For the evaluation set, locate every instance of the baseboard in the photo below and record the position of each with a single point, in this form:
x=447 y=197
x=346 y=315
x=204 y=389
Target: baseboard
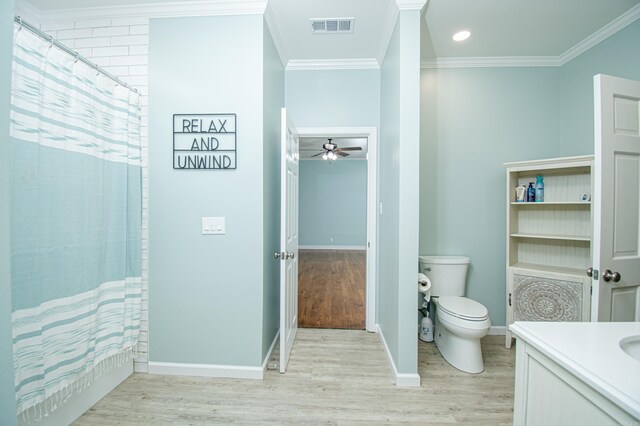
x=400 y=379
x=206 y=370
x=265 y=363
x=332 y=247
x=498 y=330
x=79 y=402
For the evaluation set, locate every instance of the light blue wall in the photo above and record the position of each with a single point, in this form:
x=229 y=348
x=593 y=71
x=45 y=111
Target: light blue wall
x=388 y=183
x=333 y=203
x=7 y=389
x=347 y=98
x=618 y=55
x=474 y=120
x=205 y=292
x=399 y=180
x=273 y=101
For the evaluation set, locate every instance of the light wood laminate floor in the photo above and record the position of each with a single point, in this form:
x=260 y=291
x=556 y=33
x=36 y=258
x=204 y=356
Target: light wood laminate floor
x=335 y=377
x=332 y=289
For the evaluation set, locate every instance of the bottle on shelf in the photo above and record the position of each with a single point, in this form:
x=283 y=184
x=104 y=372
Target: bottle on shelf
x=539 y=189
x=531 y=193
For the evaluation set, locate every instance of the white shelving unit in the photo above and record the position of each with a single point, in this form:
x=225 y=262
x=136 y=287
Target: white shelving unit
x=549 y=243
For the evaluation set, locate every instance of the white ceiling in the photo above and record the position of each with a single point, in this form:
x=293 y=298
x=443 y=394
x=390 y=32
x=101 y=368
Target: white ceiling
x=500 y=28
x=514 y=27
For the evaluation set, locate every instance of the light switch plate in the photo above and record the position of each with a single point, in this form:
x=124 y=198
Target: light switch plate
x=213 y=225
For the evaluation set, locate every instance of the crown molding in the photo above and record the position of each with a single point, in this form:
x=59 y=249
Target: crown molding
x=411 y=4
x=629 y=17
x=332 y=64
x=493 y=62
x=161 y=10
x=387 y=30
x=276 y=35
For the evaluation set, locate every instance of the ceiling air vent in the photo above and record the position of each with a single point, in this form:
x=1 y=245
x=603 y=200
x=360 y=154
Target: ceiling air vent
x=332 y=25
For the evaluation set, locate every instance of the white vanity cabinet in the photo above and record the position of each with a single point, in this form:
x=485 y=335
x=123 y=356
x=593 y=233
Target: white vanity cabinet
x=575 y=374
x=549 y=242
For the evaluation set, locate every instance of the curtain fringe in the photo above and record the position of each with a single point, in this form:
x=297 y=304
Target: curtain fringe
x=60 y=397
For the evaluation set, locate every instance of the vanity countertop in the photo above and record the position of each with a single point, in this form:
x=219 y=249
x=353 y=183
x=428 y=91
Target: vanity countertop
x=591 y=351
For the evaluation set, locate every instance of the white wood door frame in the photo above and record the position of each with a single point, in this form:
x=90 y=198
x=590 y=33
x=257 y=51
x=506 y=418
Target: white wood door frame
x=371 y=133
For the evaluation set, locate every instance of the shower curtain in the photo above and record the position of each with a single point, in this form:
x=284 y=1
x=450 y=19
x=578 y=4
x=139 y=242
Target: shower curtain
x=75 y=223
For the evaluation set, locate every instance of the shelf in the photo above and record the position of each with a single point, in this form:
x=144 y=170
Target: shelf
x=548 y=268
x=551 y=236
x=552 y=203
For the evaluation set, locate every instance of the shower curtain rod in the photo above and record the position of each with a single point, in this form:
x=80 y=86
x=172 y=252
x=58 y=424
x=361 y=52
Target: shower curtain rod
x=47 y=37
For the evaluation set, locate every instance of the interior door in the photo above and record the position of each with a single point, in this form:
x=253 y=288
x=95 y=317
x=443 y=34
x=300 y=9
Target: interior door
x=616 y=248
x=288 y=238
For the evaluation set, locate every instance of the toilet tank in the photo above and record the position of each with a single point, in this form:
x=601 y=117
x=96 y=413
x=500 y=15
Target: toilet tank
x=448 y=274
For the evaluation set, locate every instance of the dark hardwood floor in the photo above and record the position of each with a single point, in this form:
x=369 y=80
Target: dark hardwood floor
x=332 y=289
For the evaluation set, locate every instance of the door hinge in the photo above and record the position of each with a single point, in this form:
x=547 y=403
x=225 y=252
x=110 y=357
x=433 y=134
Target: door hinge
x=509 y=299
x=368 y=244
x=591 y=290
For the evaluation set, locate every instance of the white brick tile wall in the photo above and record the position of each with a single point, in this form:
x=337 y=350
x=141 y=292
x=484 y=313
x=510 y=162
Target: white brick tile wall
x=111 y=31
x=121 y=47
x=138 y=29
x=129 y=60
x=92 y=42
x=130 y=40
x=69 y=34
x=92 y=23
x=110 y=51
x=139 y=50
x=130 y=21
x=55 y=26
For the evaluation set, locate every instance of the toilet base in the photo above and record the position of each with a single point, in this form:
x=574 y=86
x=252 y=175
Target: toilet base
x=462 y=353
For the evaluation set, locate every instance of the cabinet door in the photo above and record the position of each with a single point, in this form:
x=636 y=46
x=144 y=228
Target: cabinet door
x=548 y=296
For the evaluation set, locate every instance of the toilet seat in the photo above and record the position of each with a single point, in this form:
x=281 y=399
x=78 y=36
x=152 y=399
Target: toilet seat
x=462 y=308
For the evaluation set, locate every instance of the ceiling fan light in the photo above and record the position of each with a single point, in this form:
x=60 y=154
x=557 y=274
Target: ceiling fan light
x=325 y=156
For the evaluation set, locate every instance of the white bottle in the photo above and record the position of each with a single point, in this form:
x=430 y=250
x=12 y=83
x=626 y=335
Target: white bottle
x=426 y=329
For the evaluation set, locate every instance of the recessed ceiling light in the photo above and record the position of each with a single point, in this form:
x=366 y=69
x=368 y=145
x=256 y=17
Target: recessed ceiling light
x=461 y=35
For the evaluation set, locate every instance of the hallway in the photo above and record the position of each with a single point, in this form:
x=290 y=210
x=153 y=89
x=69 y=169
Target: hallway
x=332 y=289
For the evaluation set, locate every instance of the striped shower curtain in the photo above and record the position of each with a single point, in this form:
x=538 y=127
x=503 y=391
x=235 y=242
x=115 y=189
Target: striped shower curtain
x=75 y=224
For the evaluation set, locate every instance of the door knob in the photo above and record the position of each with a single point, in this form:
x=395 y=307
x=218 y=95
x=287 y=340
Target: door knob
x=276 y=255
x=292 y=255
x=611 y=276
x=590 y=271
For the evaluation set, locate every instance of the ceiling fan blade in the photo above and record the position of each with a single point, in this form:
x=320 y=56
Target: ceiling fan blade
x=320 y=153
x=350 y=148
x=342 y=154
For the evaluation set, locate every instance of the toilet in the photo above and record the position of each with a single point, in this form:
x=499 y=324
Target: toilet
x=460 y=322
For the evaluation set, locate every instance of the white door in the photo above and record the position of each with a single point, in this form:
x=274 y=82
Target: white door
x=616 y=245
x=288 y=238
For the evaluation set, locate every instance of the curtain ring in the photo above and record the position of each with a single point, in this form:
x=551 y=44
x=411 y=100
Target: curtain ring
x=20 y=22
x=77 y=57
x=50 y=41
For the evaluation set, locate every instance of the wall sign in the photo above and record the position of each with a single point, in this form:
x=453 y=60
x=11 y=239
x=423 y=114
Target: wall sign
x=204 y=141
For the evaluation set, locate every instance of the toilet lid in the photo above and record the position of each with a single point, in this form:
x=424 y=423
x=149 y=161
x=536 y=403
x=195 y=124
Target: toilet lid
x=462 y=307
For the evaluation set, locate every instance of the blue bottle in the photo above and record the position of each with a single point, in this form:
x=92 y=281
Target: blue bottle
x=539 y=189
x=531 y=193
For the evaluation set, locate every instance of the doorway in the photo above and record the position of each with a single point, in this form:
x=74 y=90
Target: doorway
x=337 y=278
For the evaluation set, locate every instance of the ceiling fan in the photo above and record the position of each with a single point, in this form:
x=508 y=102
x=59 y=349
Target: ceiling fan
x=331 y=150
